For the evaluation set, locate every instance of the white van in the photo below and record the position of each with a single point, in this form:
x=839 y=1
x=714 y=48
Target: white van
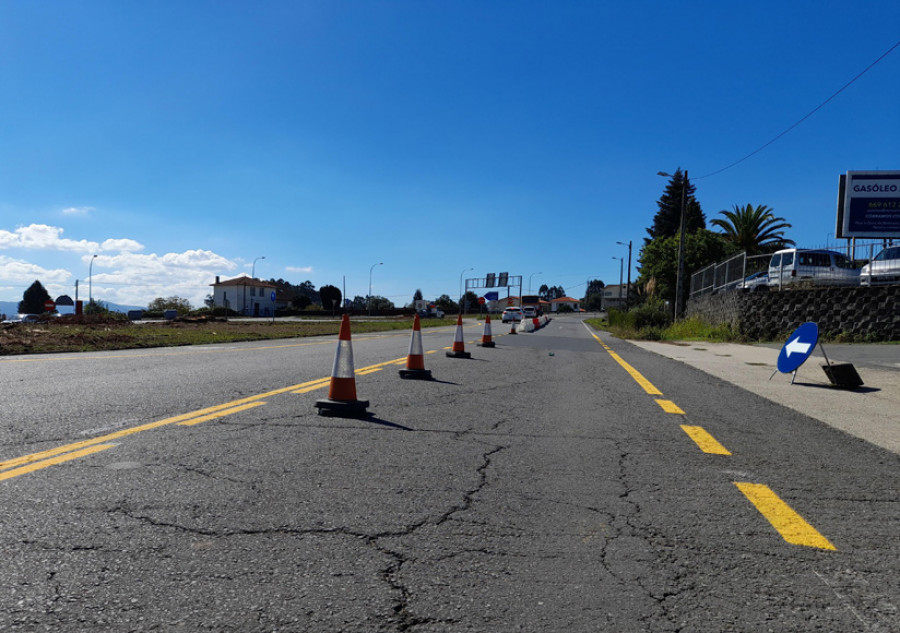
x=794 y=265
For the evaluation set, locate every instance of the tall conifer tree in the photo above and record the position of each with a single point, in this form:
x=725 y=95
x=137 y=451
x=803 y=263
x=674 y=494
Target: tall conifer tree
x=667 y=221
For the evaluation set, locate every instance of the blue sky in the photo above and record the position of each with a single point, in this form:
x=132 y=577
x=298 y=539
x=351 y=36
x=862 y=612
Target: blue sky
x=178 y=141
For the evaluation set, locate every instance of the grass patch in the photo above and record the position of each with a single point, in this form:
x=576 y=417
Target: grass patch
x=685 y=330
x=21 y=338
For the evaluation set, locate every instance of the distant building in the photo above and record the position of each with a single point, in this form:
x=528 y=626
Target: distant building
x=245 y=295
x=614 y=296
x=575 y=304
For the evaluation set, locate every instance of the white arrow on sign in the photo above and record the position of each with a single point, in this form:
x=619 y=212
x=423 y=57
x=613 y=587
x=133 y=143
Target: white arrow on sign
x=796 y=346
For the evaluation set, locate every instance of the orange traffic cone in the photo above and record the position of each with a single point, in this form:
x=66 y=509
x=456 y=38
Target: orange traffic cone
x=415 y=361
x=486 y=337
x=459 y=348
x=512 y=330
x=342 y=400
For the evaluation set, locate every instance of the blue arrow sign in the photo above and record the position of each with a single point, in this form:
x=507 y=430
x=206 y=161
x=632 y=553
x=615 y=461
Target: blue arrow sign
x=273 y=296
x=799 y=346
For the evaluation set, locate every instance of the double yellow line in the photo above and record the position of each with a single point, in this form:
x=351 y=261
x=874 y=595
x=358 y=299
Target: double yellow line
x=36 y=461
x=792 y=527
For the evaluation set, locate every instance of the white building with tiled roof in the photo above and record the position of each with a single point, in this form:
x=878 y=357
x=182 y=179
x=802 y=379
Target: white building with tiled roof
x=245 y=295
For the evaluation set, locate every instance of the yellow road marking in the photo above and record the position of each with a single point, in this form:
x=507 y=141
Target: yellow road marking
x=634 y=373
x=15 y=472
x=312 y=386
x=792 y=527
x=368 y=370
x=706 y=442
x=220 y=414
x=87 y=447
x=669 y=407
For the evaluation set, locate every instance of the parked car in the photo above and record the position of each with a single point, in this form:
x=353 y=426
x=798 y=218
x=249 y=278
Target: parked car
x=756 y=282
x=511 y=314
x=794 y=265
x=24 y=318
x=529 y=312
x=883 y=269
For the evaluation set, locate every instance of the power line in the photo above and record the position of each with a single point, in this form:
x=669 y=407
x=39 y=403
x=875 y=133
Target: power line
x=813 y=111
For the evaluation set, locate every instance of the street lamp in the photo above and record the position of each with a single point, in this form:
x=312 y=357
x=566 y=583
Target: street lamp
x=369 y=302
x=628 y=287
x=679 y=280
x=529 y=280
x=91 y=281
x=253 y=268
x=460 y=288
x=621 y=261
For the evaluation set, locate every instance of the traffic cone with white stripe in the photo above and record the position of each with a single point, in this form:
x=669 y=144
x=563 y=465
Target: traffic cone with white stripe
x=486 y=340
x=415 y=360
x=459 y=347
x=512 y=329
x=342 y=400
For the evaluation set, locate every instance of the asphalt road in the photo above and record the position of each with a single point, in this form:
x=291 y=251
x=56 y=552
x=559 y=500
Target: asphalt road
x=563 y=480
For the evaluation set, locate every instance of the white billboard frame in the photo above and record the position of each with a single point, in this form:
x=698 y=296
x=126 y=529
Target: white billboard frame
x=869 y=205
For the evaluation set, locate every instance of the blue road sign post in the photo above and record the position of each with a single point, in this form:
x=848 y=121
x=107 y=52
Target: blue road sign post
x=799 y=347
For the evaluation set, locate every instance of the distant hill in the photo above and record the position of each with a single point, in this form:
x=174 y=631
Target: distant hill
x=11 y=308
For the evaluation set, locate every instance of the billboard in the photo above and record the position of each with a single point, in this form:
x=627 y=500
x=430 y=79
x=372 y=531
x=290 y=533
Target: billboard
x=869 y=204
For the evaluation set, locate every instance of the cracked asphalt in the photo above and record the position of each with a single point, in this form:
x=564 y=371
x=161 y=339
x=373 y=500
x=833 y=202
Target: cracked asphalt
x=534 y=487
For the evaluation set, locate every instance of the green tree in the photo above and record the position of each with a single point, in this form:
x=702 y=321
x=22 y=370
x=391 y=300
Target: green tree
x=445 y=303
x=417 y=295
x=34 y=298
x=470 y=302
x=377 y=303
x=667 y=221
x=593 y=295
x=755 y=230
x=160 y=304
x=331 y=296
x=659 y=261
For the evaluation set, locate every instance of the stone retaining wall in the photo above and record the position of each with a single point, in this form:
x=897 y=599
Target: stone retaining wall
x=862 y=313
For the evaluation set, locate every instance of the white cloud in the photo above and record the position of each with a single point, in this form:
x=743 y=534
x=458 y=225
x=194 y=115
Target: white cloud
x=77 y=210
x=299 y=269
x=120 y=273
x=121 y=246
x=138 y=278
x=43 y=237
x=22 y=272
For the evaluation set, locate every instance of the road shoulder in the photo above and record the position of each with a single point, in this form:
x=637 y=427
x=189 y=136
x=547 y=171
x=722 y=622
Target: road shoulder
x=869 y=413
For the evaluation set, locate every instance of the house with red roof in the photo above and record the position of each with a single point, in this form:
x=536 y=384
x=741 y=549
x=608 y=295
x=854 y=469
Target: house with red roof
x=245 y=295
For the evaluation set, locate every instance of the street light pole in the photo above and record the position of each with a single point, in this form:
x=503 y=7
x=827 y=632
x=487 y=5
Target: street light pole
x=621 y=261
x=91 y=281
x=529 y=280
x=628 y=287
x=253 y=268
x=461 y=297
x=679 y=280
x=369 y=298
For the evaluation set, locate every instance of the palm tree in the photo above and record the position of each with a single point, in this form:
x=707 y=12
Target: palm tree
x=755 y=230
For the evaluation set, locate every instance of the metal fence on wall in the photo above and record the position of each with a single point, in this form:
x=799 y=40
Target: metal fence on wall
x=749 y=272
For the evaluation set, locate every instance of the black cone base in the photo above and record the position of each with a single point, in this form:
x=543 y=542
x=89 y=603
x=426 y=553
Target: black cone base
x=343 y=408
x=459 y=355
x=488 y=344
x=416 y=374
